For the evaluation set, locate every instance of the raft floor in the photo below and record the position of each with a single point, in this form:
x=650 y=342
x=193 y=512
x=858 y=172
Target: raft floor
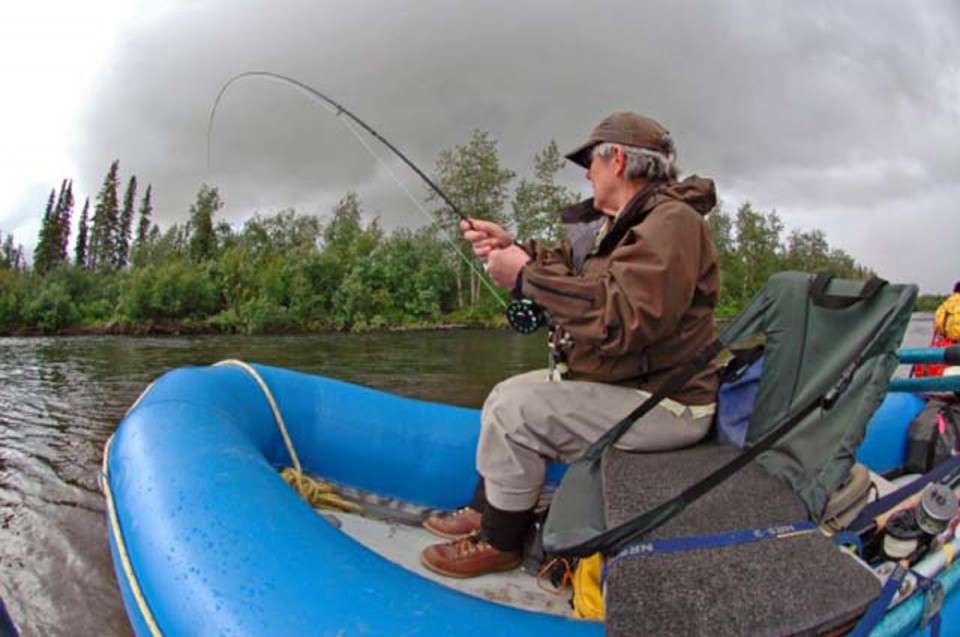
x=402 y=543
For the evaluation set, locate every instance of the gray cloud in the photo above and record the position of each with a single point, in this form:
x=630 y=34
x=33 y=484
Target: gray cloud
x=841 y=116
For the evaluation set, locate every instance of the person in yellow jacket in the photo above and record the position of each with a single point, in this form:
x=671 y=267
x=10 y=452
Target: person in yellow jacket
x=948 y=316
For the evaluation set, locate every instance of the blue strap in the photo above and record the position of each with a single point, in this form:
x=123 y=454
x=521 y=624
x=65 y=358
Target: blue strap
x=849 y=538
x=716 y=540
x=878 y=608
x=933 y=596
x=932 y=603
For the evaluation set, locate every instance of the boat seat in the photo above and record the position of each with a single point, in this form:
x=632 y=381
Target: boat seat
x=798 y=585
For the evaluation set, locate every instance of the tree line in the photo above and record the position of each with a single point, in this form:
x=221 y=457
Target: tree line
x=291 y=271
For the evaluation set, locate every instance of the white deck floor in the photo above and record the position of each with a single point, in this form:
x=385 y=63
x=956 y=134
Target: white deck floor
x=401 y=544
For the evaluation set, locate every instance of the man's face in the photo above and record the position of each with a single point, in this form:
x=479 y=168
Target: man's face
x=603 y=175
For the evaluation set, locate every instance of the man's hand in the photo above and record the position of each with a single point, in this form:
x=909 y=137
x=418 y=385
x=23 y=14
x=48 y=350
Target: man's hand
x=486 y=237
x=503 y=265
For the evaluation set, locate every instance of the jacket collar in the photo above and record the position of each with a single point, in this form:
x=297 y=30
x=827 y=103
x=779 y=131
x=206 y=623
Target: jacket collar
x=632 y=214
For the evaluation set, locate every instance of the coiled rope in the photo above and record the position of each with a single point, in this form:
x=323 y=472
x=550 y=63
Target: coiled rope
x=317 y=493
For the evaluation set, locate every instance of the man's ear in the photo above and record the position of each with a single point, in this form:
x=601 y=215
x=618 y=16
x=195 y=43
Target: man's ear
x=620 y=158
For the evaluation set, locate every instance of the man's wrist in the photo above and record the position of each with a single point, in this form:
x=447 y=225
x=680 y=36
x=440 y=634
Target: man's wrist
x=517 y=291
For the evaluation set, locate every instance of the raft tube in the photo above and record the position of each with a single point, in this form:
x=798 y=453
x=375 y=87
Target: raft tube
x=207 y=538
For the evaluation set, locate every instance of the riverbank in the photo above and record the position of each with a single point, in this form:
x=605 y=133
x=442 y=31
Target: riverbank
x=206 y=329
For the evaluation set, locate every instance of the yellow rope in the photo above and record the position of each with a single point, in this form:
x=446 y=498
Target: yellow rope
x=122 y=547
x=317 y=493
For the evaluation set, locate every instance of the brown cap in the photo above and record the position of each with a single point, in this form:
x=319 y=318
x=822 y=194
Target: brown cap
x=625 y=128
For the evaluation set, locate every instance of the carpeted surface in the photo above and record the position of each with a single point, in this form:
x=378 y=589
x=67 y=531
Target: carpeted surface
x=800 y=585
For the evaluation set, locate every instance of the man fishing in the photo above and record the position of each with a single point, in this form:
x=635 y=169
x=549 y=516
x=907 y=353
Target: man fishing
x=627 y=308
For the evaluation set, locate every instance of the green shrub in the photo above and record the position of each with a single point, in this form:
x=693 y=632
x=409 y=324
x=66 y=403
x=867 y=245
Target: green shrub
x=173 y=290
x=51 y=308
x=13 y=292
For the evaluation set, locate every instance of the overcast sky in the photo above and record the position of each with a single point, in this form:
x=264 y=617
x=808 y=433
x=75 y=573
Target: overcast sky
x=842 y=116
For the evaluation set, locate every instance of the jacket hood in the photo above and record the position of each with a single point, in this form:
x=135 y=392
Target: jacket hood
x=582 y=212
x=697 y=192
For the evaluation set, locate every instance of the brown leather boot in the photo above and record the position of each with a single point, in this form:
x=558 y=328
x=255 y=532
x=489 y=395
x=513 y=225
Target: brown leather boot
x=468 y=557
x=453 y=525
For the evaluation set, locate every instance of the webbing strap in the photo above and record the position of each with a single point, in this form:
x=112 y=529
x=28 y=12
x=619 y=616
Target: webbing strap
x=933 y=598
x=714 y=540
x=878 y=608
x=729 y=538
x=733 y=538
x=848 y=539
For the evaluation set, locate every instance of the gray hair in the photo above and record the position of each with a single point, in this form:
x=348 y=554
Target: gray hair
x=643 y=163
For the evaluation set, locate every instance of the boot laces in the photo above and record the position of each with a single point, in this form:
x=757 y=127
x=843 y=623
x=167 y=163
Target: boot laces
x=470 y=545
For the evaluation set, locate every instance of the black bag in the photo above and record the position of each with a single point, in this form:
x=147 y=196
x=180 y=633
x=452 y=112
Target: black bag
x=933 y=436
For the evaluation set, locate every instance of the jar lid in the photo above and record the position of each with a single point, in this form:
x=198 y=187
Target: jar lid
x=937 y=507
x=903 y=525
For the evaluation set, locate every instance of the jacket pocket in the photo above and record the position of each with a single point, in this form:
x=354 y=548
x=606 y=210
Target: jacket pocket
x=589 y=298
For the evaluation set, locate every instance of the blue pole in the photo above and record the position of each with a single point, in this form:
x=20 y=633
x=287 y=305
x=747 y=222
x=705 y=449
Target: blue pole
x=935 y=355
x=927 y=384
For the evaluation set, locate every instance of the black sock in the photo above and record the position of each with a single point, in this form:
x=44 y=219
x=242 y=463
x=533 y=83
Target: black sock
x=479 y=500
x=505 y=530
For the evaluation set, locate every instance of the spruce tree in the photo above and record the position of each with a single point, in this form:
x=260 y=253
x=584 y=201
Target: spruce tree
x=53 y=229
x=41 y=254
x=64 y=214
x=125 y=225
x=102 y=248
x=143 y=226
x=202 y=238
x=80 y=252
x=10 y=256
x=51 y=250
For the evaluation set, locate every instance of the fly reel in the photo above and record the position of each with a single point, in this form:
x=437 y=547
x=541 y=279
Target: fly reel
x=525 y=316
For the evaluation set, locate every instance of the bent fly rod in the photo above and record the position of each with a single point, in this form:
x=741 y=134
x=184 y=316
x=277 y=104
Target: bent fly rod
x=522 y=315
x=337 y=109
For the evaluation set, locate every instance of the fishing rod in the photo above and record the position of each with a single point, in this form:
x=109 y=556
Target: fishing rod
x=523 y=315
x=337 y=109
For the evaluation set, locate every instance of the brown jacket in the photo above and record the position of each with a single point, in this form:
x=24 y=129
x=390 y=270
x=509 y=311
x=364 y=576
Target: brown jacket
x=641 y=303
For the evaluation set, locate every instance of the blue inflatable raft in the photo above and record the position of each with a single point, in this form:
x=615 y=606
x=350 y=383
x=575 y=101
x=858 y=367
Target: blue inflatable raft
x=207 y=538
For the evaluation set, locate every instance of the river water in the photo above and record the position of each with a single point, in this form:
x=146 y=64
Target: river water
x=61 y=398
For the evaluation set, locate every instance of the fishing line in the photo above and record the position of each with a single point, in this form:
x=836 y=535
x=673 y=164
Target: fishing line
x=421 y=208
x=351 y=124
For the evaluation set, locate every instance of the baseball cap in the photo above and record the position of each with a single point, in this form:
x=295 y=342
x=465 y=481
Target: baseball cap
x=625 y=128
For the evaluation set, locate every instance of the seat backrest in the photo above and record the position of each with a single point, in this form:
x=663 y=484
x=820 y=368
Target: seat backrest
x=814 y=327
